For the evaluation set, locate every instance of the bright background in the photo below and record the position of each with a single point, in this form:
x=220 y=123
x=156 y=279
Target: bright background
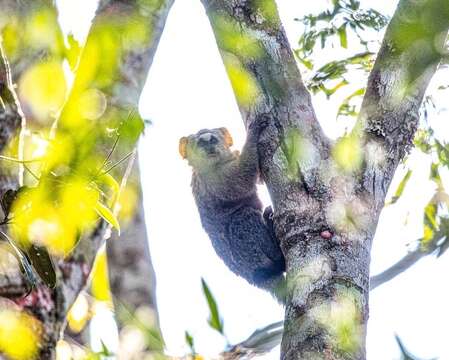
x=187 y=89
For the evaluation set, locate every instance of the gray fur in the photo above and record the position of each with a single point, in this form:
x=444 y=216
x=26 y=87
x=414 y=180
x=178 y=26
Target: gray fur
x=224 y=188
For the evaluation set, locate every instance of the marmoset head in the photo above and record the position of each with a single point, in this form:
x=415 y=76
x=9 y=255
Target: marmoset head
x=207 y=147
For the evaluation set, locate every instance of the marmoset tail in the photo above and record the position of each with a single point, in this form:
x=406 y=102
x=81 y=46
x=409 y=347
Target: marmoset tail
x=224 y=188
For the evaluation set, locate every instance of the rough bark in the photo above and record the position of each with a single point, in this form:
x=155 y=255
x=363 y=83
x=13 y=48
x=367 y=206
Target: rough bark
x=51 y=306
x=326 y=216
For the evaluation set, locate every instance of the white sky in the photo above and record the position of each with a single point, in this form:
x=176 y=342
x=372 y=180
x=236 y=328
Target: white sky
x=187 y=89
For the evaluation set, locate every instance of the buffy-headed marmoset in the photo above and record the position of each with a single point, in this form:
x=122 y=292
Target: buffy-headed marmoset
x=224 y=188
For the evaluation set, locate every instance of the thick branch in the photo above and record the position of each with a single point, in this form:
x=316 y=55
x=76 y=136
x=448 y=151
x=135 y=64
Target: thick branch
x=265 y=77
x=131 y=274
x=399 y=267
x=324 y=221
x=125 y=92
x=409 y=56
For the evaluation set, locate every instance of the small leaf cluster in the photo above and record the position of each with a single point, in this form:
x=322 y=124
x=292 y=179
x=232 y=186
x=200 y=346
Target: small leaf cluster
x=345 y=21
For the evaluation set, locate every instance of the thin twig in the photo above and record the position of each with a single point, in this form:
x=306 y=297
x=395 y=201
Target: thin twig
x=399 y=267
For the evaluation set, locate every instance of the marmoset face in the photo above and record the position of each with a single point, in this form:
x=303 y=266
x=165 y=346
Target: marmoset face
x=206 y=148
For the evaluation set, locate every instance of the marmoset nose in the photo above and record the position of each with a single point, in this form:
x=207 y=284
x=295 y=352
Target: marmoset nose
x=207 y=139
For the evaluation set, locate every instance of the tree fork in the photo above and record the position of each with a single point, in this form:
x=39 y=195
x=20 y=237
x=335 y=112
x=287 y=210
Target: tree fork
x=325 y=218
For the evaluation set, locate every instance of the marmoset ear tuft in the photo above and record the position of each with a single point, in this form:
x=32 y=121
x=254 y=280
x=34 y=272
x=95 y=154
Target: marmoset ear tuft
x=227 y=137
x=183 y=147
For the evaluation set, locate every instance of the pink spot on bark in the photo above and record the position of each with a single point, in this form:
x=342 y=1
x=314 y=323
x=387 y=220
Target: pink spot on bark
x=27 y=301
x=326 y=234
x=86 y=270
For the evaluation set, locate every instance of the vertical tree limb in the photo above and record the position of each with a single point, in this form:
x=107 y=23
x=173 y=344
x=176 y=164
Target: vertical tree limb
x=411 y=51
x=131 y=275
x=125 y=92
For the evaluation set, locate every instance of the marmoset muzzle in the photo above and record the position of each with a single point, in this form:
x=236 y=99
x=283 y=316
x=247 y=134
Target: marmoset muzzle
x=208 y=142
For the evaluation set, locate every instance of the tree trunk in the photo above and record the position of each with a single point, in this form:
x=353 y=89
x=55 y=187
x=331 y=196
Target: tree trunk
x=326 y=213
x=131 y=274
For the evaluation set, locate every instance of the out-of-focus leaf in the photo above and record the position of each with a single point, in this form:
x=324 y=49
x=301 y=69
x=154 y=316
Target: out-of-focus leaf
x=131 y=128
x=442 y=152
x=348 y=109
x=215 y=320
x=100 y=288
x=72 y=52
x=336 y=70
x=435 y=175
x=21 y=334
x=7 y=200
x=104 y=350
x=400 y=189
x=423 y=140
x=405 y=354
x=343 y=36
x=430 y=222
x=106 y=213
x=113 y=186
x=190 y=342
x=347 y=153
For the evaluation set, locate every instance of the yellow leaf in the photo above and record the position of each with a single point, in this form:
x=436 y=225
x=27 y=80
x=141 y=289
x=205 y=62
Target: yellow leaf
x=26 y=331
x=347 y=153
x=106 y=213
x=100 y=281
x=46 y=98
x=243 y=83
x=112 y=184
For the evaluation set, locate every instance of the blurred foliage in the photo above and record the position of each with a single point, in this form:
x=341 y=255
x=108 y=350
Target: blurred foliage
x=347 y=153
x=342 y=319
x=349 y=27
x=80 y=136
x=79 y=313
x=346 y=24
x=76 y=138
x=243 y=83
x=215 y=320
x=190 y=341
x=27 y=330
x=100 y=282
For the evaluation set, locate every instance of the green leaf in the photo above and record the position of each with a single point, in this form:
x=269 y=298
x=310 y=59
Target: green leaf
x=400 y=189
x=24 y=263
x=104 y=350
x=215 y=320
x=346 y=108
x=7 y=200
x=131 y=128
x=435 y=175
x=343 y=36
x=42 y=263
x=430 y=223
x=72 y=52
x=190 y=342
x=106 y=213
x=112 y=184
